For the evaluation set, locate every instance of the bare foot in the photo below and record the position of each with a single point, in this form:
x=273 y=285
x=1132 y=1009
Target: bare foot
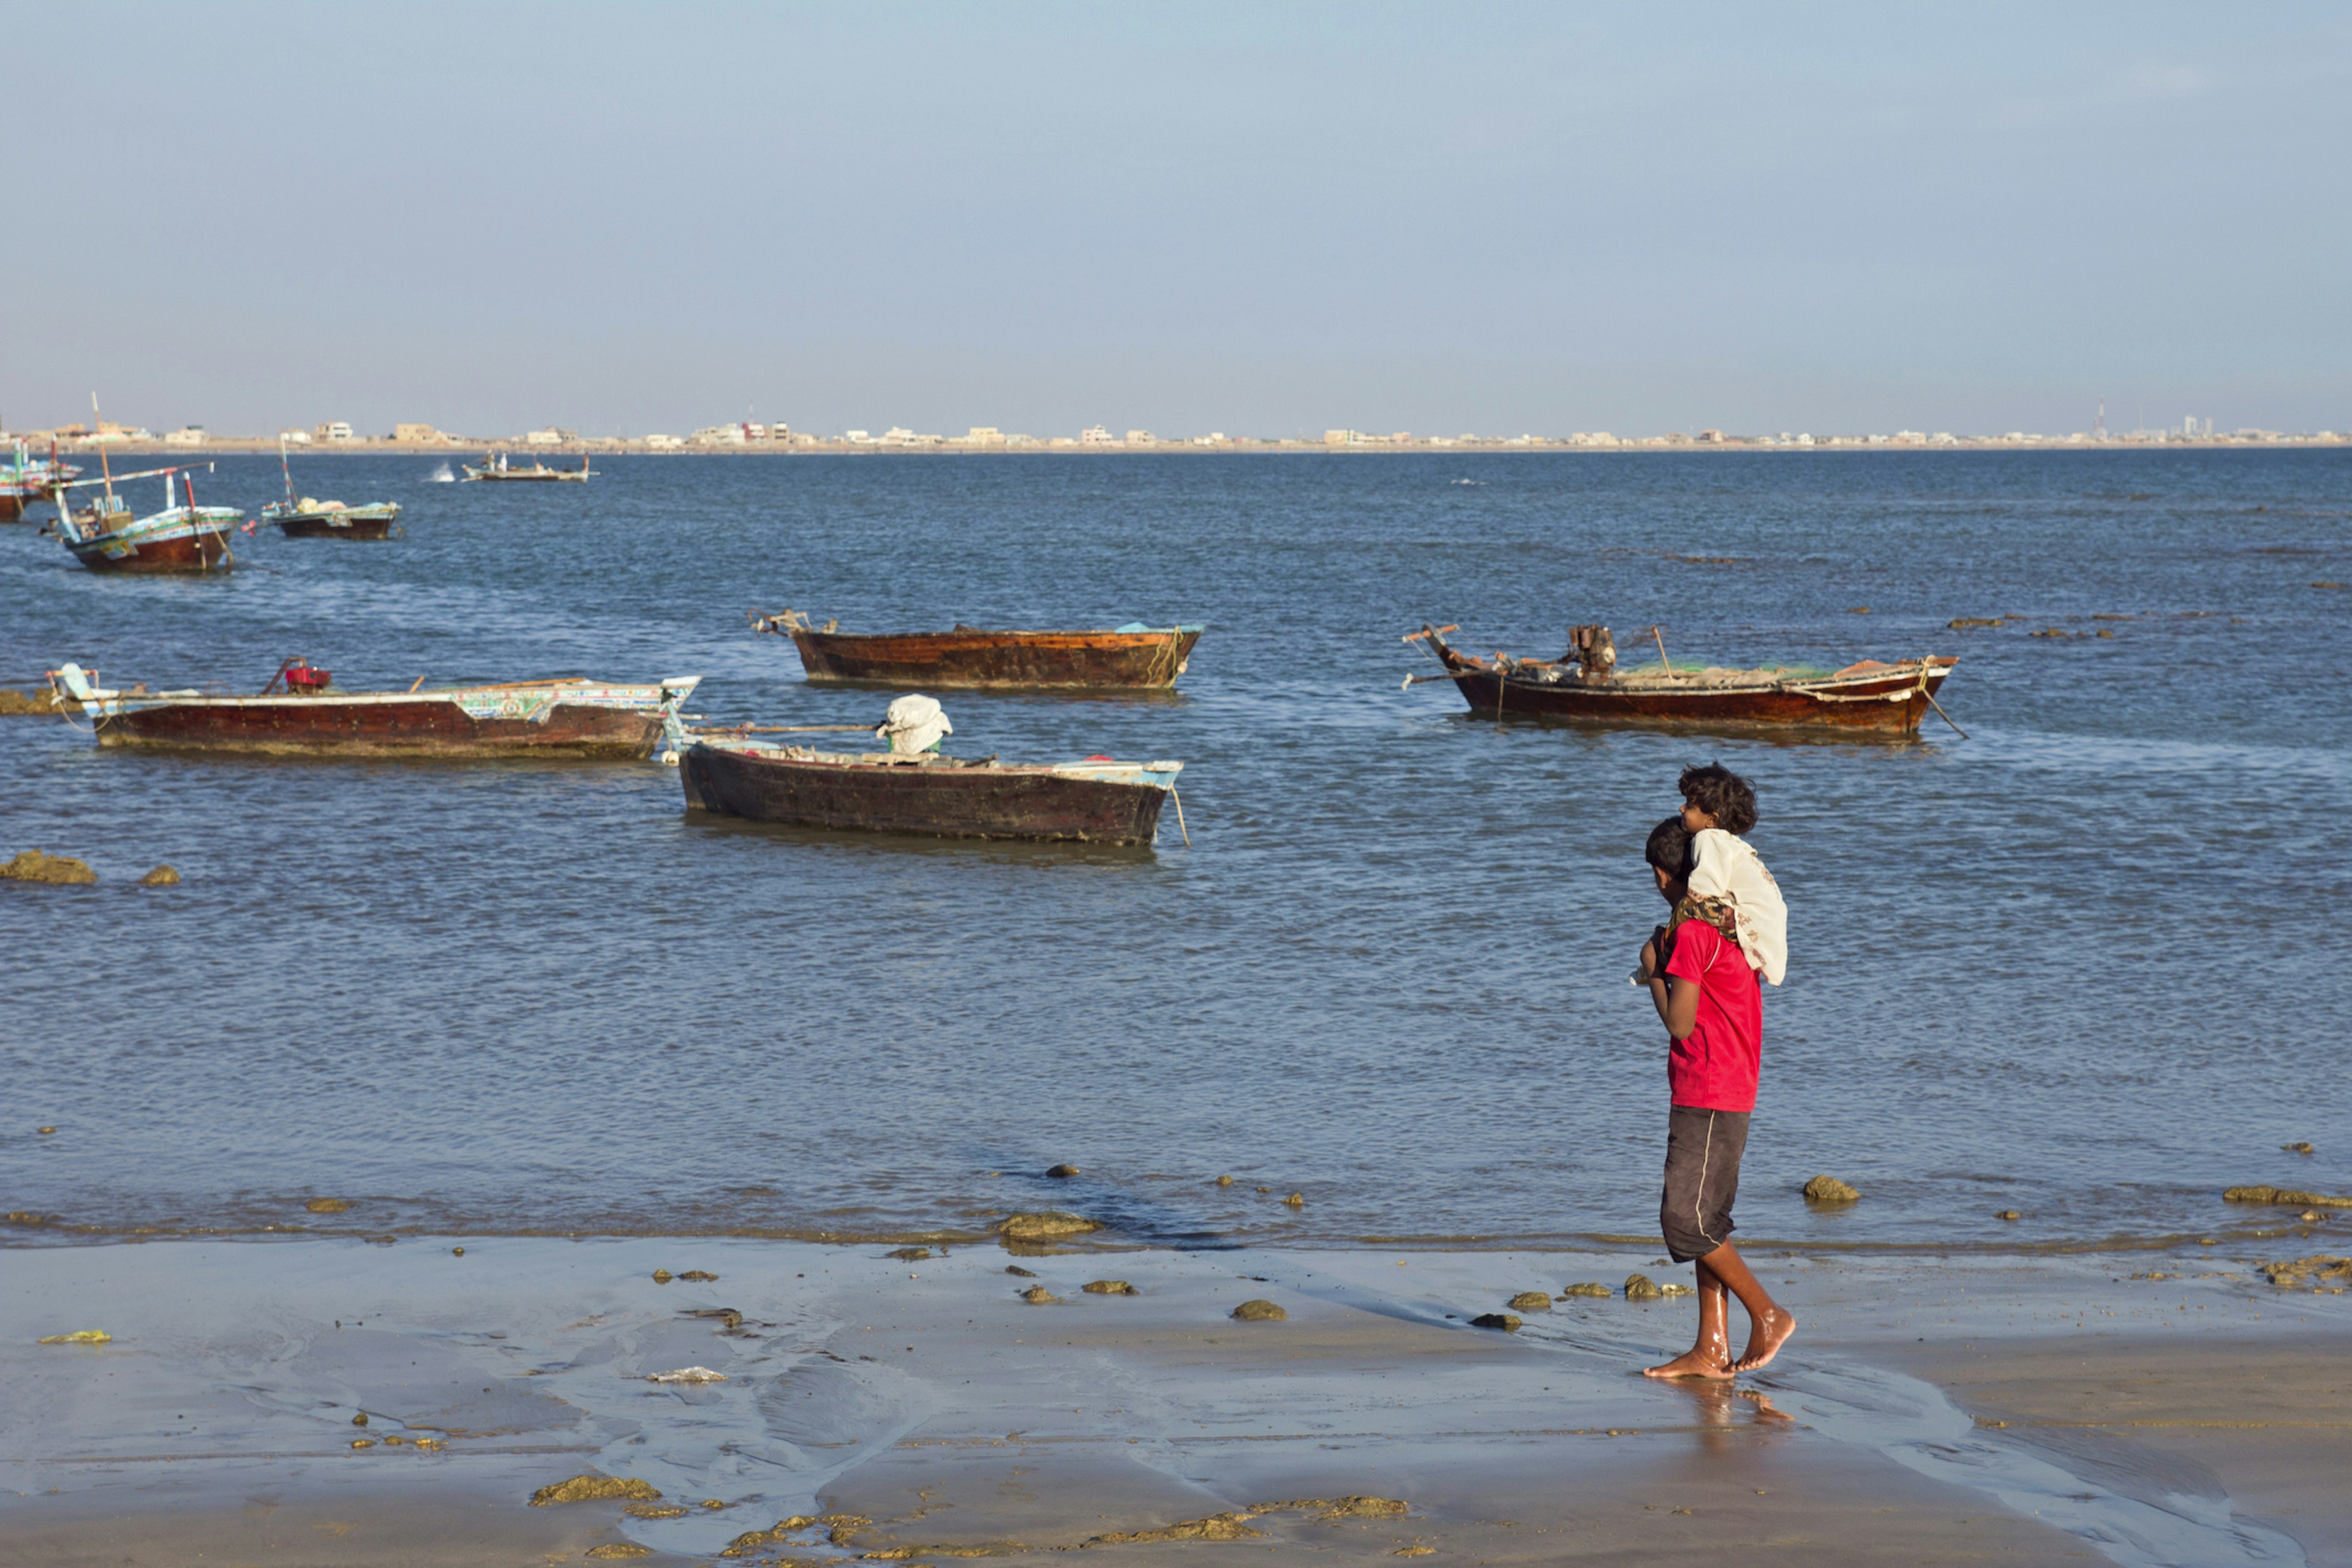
x=1764 y=1341
x=1690 y=1363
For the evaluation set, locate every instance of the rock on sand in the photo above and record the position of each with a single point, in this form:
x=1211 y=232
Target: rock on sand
x=596 y=1489
x=1110 y=1288
x=1530 y=1302
x=1260 y=1312
x=1506 y=1321
x=1642 y=1287
x=1044 y=1226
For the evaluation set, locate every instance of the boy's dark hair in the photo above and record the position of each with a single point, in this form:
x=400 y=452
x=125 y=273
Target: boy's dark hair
x=1669 y=849
x=1722 y=794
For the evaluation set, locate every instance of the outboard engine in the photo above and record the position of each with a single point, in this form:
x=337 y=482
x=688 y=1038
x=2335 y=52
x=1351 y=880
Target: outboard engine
x=1594 y=649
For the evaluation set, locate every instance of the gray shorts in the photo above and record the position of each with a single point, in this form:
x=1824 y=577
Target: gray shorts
x=1703 y=1149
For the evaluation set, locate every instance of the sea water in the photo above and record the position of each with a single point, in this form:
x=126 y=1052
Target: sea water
x=2088 y=964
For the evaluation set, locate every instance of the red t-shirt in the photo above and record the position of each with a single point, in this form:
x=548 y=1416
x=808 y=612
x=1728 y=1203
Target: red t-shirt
x=1716 y=1067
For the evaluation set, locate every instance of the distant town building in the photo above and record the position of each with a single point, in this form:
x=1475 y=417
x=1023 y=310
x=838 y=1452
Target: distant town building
x=720 y=436
x=1141 y=438
x=334 y=430
x=1095 y=436
x=415 y=435
x=858 y=437
x=185 y=435
x=295 y=438
x=553 y=435
x=984 y=436
x=664 y=443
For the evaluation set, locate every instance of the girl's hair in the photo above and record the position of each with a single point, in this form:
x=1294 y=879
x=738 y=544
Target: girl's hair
x=1722 y=794
x=1669 y=849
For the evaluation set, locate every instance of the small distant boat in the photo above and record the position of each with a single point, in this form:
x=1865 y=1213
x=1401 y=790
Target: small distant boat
x=912 y=789
x=496 y=467
x=1128 y=658
x=30 y=479
x=183 y=539
x=298 y=714
x=1585 y=685
x=299 y=517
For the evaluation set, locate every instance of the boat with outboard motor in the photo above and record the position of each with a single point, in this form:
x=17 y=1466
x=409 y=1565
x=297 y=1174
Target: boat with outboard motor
x=1584 y=684
x=494 y=466
x=301 y=517
x=568 y=716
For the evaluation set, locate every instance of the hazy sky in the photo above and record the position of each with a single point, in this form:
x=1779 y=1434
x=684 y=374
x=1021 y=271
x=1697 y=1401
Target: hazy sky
x=1256 y=219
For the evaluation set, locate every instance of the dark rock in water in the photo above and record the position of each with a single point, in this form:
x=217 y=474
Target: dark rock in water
x=1110 y=1288
x=728 y=1317
x=699 y=1277
x=1225 y=1180
x=1020 y=1273
x=456 y=1252
x=1530 y=1302
x=910 y=1254
x=2301 y=1148
x=1587 y=1289
x=1044 y=1226
x=661 y=1275
x=1266 y=1189
x=2281 y=1196
x=1260 y=1312
x=2009 y=1214
x=1503 y=1321
x=1296 y=1200
x=327 y=1205
x=360 y=1419
x=1642 y=1287
x=15 y=704
x=1062 y=1170
x=1037 y=1296
x=1828 y=1190
x=58 y=870
x=1327 y=1509
x=161 y=877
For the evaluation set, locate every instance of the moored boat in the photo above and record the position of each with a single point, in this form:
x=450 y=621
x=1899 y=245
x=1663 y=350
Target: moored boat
x=307 y=518
x=912 y=789
x=496 y=467
x=30 y=479
x=1585 y=685
x=299 y=517
x=182 y=538
x=569 y=717
x=1134 y=657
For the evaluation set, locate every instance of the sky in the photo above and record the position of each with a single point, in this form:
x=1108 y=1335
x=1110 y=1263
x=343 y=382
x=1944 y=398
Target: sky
x=1257 y=218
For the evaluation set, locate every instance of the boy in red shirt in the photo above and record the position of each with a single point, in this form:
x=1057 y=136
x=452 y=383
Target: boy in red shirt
x=1708 y=997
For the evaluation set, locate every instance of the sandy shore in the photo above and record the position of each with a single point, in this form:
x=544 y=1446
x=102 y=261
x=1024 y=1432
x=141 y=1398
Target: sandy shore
x=921 y=1410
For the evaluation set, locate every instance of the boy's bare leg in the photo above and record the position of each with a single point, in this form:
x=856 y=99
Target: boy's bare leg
x=1710 y=1355
x=1770 y=1323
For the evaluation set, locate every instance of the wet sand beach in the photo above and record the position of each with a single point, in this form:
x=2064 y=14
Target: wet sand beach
x=2022 y=1410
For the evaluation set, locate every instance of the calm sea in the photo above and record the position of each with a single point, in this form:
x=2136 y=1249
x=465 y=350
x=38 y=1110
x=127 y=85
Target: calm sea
x=2090 y=962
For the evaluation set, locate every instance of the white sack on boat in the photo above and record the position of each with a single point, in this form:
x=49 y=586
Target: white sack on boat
x=913 y=725
x=1730 y=867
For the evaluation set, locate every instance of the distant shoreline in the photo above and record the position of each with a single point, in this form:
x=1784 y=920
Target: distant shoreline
x=467 y=451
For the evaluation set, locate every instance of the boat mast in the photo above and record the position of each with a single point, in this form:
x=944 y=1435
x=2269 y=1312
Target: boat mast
x=285 y=470
x=103 y=466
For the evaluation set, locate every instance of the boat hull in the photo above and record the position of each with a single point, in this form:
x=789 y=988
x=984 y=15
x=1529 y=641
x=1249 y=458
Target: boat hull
x=426 y=725
x=12 y=507
x=188 y=551
x=935 y=798
x=356 y=522
x=1892 y=702
x=1002 y=661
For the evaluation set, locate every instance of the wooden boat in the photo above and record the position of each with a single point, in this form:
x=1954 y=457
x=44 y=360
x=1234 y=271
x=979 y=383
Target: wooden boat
x=1133 y=657
x=307 y=518
x=187 y=540
x=495 y=468
x=569 y=717
x=1870 y=697
x=302 y=518
x=1093 y=802
x=30 y=479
